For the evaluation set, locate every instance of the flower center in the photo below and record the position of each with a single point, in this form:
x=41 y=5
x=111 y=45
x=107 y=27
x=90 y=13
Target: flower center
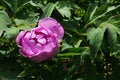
x=40 y=37
x=41 y=40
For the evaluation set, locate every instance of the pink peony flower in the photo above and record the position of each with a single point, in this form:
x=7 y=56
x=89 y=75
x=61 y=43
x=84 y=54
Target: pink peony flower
x=40 y=43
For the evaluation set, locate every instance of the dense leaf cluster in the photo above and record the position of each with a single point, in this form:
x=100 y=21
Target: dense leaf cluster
x=90 y=49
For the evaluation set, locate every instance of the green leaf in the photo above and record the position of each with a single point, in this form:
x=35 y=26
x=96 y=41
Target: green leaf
x=116 y=50
x=110 y=8
x=73 y=51
x=114 y=19
x=15 y=4
x=32 y=3
x=102 y=20
x=76 y=50
x=95 y=35
x=65 y=45
x=100 y=10
x=47 y=68
x=48 y=10
x=90 y=12
x=117 y=28
x=100 y=14
x=23 y=73
x=4 y=21
x=77 y=43
x=64 y=7
x=11 y=33
x=69 y=54
x=29 y=21
x=28 y=71
x=72 y=27
x=4 y=18
x=112 y=36
x=20 y=24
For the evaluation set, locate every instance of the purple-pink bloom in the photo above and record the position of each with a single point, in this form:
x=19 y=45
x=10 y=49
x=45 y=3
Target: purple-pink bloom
x=53 y=25
x=40 y=43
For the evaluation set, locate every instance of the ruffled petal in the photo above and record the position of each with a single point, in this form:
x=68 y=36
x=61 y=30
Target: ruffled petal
x=53 y=25
x=32 y=45
x=19 y=37
x=49 y=51
x=41 y=57
x=26 y=50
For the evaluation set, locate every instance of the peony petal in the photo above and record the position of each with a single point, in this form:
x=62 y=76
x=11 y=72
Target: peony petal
x=19 y=37
x=32 y=44
x=22 y=52
x=28 y=35
x=26 y=50
x=41 y=57
x=40 y=30
x=42 y=40
x=33 y=35
x=48 y=52
x=53 y=25
x=44 y=32
x=40 y=43
x=52 y=38
x=50 y=49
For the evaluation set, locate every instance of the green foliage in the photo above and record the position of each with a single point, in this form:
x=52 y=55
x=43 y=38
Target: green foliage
x=48 y=10
x=90 y=49
x=95 y=36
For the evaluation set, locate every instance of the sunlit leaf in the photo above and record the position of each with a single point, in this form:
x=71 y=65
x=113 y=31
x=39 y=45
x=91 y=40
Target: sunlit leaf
x=48 y=10
x=69 y=54
x=114 y=19
x=4 y=18
x=4 y=21
x=112 y=35
x=15 y=4
x=98 y=13
x=95 y=35
x=90 y=12
x=11 y=32
x=65 y=8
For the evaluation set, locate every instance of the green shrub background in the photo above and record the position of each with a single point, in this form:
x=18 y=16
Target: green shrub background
x=90 y=49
